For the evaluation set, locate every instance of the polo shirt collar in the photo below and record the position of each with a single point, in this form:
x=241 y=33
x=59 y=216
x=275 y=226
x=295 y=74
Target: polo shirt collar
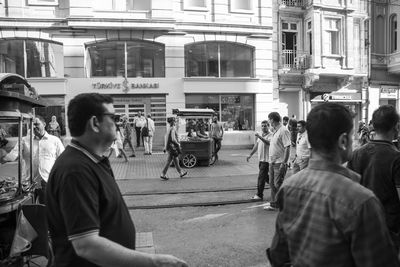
x=324 y=165
x=95 y=158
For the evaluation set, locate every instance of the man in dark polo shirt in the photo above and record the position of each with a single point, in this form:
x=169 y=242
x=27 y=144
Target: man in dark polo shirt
x=88 y=220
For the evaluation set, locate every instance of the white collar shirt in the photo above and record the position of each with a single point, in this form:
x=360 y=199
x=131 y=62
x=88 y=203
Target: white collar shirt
x=263 y=148
x=279 y=141
x=302 y=146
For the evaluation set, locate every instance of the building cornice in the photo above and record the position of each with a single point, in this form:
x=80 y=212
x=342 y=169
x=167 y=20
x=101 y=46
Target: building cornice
x=81 y=23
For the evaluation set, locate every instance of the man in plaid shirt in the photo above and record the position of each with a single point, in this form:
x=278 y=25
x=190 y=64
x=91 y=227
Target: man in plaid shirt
x=326 y=218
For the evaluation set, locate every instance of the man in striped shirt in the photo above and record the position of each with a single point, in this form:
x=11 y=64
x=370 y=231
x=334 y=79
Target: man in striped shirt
x=262 y=147
x=326 y=218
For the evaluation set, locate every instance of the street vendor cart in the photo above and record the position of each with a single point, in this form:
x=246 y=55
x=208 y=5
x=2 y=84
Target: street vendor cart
x=195 y=150
x=23 y=226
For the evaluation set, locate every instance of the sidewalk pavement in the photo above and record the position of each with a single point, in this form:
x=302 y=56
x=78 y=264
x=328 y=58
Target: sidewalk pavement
x=230 y=163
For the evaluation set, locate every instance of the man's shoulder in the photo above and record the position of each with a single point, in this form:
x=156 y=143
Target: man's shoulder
x=335 y=185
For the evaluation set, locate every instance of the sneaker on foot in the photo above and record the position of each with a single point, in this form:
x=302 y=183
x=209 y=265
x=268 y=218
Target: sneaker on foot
x=164 y=177
x=132 y=156
x=270 y=208
x=256 y=198
x=183 y=174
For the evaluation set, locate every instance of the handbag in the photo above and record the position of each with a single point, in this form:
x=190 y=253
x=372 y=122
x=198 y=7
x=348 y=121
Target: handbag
x=172 y=148
x=145 y=129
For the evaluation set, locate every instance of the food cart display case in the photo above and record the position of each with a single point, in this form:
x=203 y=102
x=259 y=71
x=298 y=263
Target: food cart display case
x=195 y=150
x=17 y=100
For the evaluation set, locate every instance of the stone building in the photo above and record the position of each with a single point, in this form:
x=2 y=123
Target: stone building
x=322 y=54
x=150 y=56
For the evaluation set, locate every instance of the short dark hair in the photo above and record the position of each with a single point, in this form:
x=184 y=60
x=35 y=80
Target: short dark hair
x=325 y=123
x=303 y=123
x=170 y=119
x=285 y=118
x=40 y=118
x=265 y=122
x=385 y=118
x=82 y=107
x=274 y=116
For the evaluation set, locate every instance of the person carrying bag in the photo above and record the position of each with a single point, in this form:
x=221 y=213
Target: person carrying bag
x=173 y=148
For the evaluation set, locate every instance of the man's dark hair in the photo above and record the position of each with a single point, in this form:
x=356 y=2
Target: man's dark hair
x=325 y=123
x=285 y=118
x=40 y=118
x=265 y=122
x=82 y=107
x=274 y=116
x=385 y=118
x=302 y=123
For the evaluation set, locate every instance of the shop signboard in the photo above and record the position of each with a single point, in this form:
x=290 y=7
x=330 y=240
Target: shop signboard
x=389 y=92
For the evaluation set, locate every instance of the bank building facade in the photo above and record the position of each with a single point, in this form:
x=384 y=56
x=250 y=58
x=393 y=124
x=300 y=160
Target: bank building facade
x=150 y=56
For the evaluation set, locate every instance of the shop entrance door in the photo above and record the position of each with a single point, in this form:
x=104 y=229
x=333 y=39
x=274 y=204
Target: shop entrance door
x=130 y=109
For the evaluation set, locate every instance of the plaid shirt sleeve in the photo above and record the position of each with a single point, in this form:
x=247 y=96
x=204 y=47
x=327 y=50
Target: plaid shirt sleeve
x=278 y=253
x=371 y=243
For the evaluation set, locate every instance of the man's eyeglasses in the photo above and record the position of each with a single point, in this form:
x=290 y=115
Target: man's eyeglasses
x=113 y=116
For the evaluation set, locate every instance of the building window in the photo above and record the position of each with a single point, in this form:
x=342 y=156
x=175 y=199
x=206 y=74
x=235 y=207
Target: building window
x=31 y=58
x=138 y=5
x=195 y=5
x=141 y=58
x=332 y=36
x=123 y=5
x=241 y=6
x=43 y=2
x=393 y=33
x=219 y=59
x=379 y=35
x=236 y=112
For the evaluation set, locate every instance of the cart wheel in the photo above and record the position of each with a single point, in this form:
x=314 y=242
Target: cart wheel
x=212 y=160
x=189 y=160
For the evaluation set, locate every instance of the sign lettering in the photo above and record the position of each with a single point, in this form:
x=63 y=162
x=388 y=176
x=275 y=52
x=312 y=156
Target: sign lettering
x=117 y=86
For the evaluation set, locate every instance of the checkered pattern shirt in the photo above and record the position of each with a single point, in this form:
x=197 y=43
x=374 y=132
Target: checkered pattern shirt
x=326 y=218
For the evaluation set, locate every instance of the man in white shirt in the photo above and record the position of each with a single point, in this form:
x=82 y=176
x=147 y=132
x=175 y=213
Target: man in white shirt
x=46 y=149
x=140 y=121
x=278 y=156
x=148 y=140
x=303 y=148
x=262 y=147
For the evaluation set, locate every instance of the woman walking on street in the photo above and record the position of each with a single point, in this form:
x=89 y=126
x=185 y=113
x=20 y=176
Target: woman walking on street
x=173 y=147
x=117 y=145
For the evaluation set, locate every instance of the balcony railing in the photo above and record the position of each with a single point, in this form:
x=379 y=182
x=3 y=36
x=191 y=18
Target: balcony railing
x=295 y=60
x=294 y=3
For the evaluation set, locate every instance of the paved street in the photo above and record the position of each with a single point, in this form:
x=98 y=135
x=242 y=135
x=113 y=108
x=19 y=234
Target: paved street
x=217 y=235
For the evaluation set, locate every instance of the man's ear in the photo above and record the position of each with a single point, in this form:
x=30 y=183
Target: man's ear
x=343 y=140
x=93 y=124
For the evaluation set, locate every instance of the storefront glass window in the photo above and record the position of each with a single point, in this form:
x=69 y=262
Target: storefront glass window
x=219 y=59
x=43 y=59
x=144 y=59
x=236 y=112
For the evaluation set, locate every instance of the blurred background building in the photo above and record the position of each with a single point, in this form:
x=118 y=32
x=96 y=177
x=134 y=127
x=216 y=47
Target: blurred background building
x=153 y=56
x=385 y=55
x=323 y=54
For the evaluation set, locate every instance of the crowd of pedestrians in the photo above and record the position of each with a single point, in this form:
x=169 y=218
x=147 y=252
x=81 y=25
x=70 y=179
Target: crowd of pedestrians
x=338 y=207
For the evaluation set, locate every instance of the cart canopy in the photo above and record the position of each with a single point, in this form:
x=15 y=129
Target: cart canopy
x=194 y=112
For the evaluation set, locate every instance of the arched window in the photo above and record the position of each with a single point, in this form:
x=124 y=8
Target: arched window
x=393 y=33
x=31 y=58
x=143 y=59
x=219 y=59
x=379 y=38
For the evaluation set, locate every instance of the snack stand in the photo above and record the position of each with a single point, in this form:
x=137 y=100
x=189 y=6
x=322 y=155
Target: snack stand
x=17 y=100
x=195 y=150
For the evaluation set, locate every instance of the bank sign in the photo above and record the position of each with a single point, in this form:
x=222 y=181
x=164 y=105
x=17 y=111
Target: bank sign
x=387 y=92
x=124 y=86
